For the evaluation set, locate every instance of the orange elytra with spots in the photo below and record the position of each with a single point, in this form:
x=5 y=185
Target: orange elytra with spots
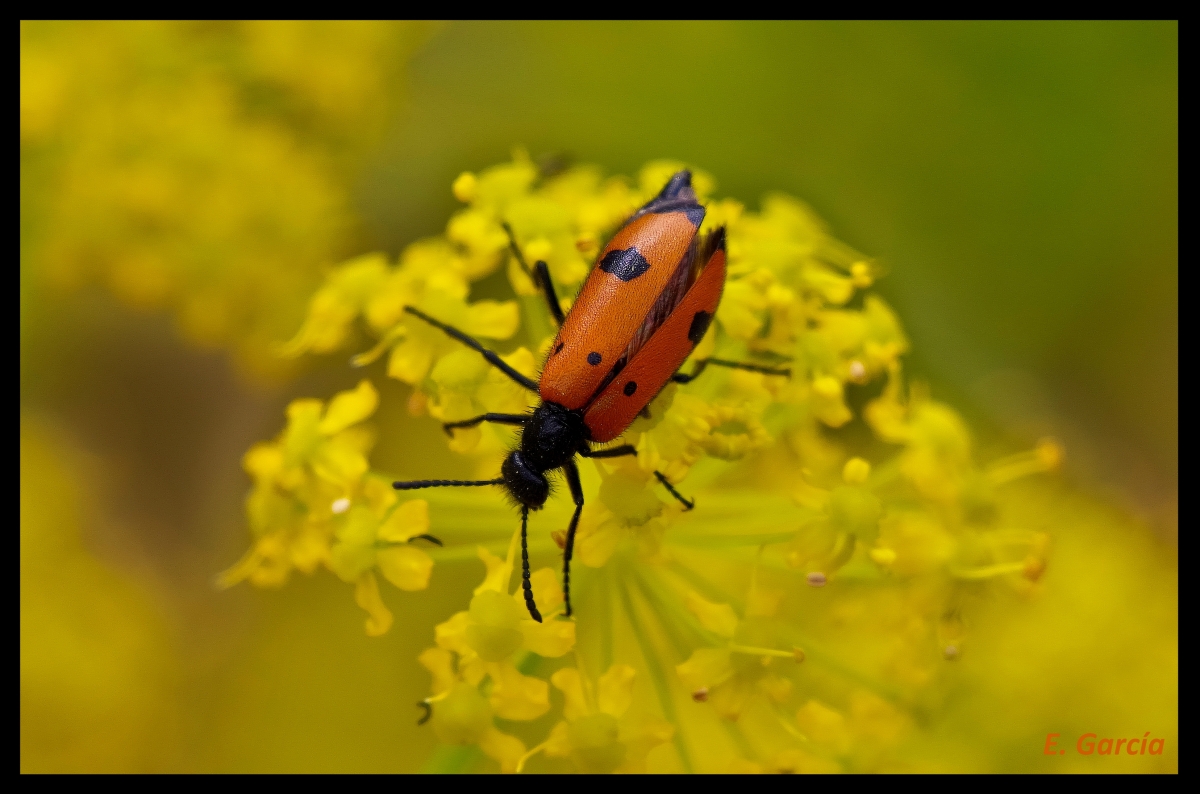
x=645 y=306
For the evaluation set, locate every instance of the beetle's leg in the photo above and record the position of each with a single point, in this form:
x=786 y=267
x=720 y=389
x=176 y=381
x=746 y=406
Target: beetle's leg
x=525 y=585
x=680 y=377
x=667 y=484
x=615 y=452
x=540 y=275
x=500 y=419
x=569 y=547
x=629 y=449
x=492 y=357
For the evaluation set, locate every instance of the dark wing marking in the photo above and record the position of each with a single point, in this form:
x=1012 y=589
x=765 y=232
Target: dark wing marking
x=625 y=263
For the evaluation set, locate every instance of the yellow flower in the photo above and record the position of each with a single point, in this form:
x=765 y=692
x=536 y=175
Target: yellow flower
x=839 y=559
x=497 y=627
x=314 y=503
x=462 y=715
x=599 y=734
x=744 y=663
x=164 y=176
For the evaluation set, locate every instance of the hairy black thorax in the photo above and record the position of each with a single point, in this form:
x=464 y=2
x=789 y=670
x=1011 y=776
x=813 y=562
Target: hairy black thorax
x=551 y=438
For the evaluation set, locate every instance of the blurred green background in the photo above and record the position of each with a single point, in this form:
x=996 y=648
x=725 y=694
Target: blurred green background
x=1018 y=181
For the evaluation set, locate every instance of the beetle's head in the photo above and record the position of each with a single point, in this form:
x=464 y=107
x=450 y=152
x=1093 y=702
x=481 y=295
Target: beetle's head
x=527 y=485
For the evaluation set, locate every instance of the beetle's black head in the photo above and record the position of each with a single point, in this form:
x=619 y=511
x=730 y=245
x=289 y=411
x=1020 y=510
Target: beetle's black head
x=527 y=485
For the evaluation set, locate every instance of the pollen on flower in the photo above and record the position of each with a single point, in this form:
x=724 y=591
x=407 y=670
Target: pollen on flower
x=857 y=371
x=340 y=506
x=816 y=579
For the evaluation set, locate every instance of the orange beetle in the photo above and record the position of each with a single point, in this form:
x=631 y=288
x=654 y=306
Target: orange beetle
x=645 y=306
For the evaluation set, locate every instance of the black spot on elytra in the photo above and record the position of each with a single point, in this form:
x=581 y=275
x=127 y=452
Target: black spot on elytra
x=593 y=358
x=699 y=325
x=558 y=349
x=625 y=263
x=630 y=388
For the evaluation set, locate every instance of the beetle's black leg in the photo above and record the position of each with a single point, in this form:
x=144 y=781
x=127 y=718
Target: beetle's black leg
x=492 y=357
x=629 y=449
x=500 y=419
x=525 y=585
x=569 y=547
x=615 y=452
x=540 y=275
x=666 y=484
x=428 y=712
x=680 y=377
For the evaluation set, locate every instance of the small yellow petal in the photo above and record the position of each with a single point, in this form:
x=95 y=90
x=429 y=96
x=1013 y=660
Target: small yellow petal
x=263 y=461
x=547 y=592
x=406 y=567
x=856 y=471
x=614 y=690
x=452 y=634
x=492 y=319
x=551 y=638
x=720 y=619
x=493 y=630
x=465 y=186
x=568 y=681
x=410 y=361
x=366 y=595
x=406 y=521
x=705 y=668
x=498 y=572
x=558 y=743
x=515 y=696
x=824 y=725
x=502 y=748
x=463 y=716
x=440 y=664
x=349 y=408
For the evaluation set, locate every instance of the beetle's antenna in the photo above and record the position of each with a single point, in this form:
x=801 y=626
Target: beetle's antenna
x=490 y=355
x=413 y=485
x=525 y=585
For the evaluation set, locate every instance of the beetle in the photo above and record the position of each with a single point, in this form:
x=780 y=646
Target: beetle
x=644 y=307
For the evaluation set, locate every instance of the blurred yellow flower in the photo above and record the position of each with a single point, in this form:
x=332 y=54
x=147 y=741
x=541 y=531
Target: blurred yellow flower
x=205 y=167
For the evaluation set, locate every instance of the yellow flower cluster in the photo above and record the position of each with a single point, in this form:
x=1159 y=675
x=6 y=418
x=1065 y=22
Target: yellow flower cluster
x=201 y=167
x=842 y=537
x=315 y=503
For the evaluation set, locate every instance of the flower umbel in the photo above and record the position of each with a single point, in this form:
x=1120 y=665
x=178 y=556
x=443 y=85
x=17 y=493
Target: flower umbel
x=843 y=541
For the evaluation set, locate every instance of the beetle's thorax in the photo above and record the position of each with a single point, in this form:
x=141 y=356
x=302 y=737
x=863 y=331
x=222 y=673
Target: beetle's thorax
x=552 y=436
